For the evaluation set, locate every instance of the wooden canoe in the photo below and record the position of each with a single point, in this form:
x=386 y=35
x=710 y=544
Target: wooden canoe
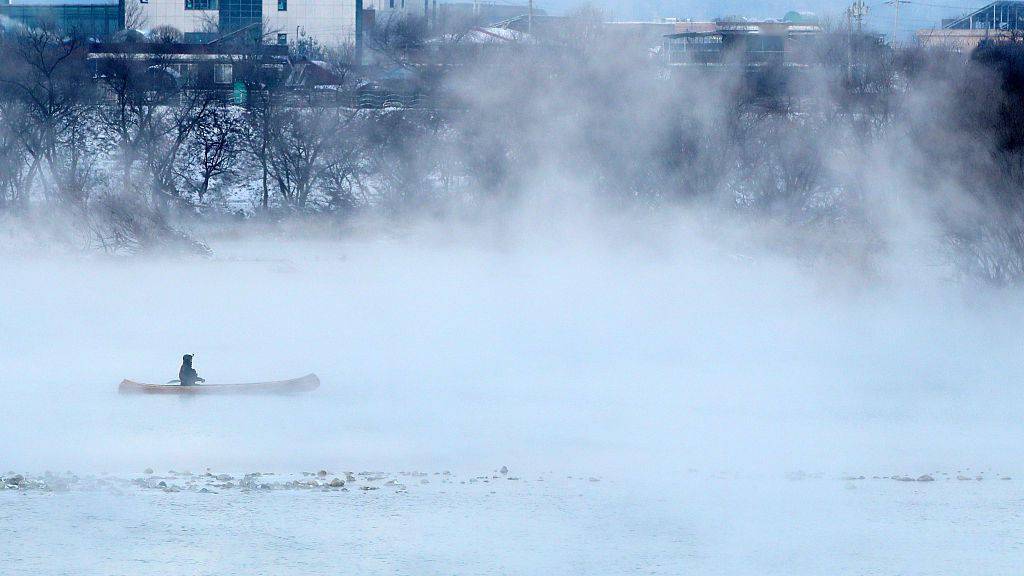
x=307 y=382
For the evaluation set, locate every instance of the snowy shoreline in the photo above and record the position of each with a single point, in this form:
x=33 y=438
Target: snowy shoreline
x=324 y=480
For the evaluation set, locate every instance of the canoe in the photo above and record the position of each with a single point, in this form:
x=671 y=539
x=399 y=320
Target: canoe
x=307 y=382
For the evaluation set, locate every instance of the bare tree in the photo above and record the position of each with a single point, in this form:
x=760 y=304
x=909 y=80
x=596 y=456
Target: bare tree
x=296 y=150
x=213 y=150
x=166 y=35
x=398 y=38
x=344 y=166
x=146 y=130
x=127 y=114
x=261 y=110
x=165 y=137
x=16 y=165
x=134 y=15
x=45 y=72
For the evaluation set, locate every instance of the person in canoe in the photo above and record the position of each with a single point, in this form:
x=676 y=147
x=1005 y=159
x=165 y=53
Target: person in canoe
x=187 y=375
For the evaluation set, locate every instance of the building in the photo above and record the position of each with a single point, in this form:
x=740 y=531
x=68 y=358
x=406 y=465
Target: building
x=97 y=19
x=751 y=44
x=171 y=66
x=328 y=22
x=998 y=21
x=459 y=16
x=1001 y=15
x=959 y=40
x=681 y=26
x=278 y=21
x=645 y=34
x=650 y=35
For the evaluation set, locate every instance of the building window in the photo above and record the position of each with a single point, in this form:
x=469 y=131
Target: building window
x=392 y=3
x=282 y=39
x=200 y=4
x=222 y=74
x=143 y=1
x=282 y=5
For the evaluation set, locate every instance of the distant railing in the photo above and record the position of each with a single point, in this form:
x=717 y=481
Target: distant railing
x=299 y=97
x=391 y=100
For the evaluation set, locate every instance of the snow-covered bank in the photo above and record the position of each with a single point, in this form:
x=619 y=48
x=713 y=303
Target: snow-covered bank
x=709 y=523
x=210 y=482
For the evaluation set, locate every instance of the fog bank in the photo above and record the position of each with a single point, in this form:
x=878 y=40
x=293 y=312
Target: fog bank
x=581 y=345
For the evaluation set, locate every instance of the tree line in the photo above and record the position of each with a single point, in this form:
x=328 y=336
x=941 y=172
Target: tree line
x=814 y=148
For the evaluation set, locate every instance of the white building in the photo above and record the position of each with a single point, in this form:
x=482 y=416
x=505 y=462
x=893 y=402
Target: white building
x=329 y=22
x=187 y=16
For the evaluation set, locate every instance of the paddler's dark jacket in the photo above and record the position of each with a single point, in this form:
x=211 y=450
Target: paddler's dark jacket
x=187 y=374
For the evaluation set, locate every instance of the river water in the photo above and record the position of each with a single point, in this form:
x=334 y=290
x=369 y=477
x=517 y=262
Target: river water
x=707 y=524
x=693 y=389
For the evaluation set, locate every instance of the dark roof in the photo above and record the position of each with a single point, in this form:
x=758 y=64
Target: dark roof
x=184 y=48
x=693 y=34
x=754 y=27
x=307 y=74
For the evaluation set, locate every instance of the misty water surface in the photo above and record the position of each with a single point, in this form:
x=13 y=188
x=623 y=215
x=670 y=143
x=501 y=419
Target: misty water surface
x=657 y=353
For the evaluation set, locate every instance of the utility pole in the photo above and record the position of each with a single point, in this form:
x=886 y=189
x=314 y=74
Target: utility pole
x=895 y=18
x=855 y=13
x=849 y=44
x=529 y=19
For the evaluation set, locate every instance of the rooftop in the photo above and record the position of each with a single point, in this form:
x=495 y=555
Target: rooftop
x=1000 y=15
